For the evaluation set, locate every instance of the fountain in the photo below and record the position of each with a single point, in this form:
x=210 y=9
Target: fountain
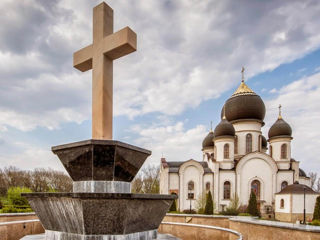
x=101 y=205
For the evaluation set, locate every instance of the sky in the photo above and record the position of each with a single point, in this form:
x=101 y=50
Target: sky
x=188 y=63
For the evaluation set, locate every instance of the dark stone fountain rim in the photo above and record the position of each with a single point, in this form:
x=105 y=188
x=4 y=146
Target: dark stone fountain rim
x=102 y=196
x=99 y=142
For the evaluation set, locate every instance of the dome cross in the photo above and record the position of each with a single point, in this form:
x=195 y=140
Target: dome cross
x=280 y=117
x=242 y=73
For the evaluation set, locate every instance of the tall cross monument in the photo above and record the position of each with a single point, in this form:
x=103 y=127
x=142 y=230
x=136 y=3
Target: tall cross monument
x=107 y=46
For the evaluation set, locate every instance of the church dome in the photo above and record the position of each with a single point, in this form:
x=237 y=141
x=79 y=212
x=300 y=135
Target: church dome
x=244 y=104
x=264 y=143
x=280 y=129
x=208 y=140
x=224 y=128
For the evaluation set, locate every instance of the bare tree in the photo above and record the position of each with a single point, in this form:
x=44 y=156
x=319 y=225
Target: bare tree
x=147 y=180
x=313 y=179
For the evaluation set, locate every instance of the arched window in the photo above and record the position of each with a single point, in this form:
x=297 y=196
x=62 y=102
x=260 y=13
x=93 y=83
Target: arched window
x=284 y=184
x=236 y=145
x=270 y=151
x=284 y=151
x=248 y=143
x=226 y=151
x=191 y=190
x=255 y=187
x=281 y=203
x=208 y=186
x=260 y=143
x=226 y=190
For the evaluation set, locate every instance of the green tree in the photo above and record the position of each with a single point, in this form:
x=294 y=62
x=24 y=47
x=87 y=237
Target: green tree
x=15 y=198
x=209 y=204
x=201 y=203
x=173 y=207
x=316 y=212
x=253 y=206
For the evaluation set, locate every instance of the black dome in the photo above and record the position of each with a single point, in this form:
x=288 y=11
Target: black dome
x=264 y=143
x=280 y=129
x=302 y=173
x=208 y=140
x=244 y=104
x=224 y=128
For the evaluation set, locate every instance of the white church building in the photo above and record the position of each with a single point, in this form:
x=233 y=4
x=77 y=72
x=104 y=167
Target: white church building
x=237 y=158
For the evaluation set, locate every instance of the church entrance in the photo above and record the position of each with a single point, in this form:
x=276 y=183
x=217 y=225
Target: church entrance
x=255 y=187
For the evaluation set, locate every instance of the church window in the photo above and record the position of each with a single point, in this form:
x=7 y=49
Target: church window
x=226 y=190
x=281 y=203
x=284 y=184
x=191 y=190
x=208 y=186
x=236 y=145
x=226 y=151
x=284 y=151
x=270 y=151
x=248 y=143
x=255 y=187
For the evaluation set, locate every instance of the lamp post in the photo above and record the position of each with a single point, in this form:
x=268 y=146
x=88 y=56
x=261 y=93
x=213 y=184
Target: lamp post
x=304 y=205
x=189 y=195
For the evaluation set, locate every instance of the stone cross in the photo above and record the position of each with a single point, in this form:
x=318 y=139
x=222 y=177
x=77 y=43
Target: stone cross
x=107 y=46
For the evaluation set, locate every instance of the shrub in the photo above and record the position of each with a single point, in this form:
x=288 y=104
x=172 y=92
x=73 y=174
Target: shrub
x=9 y=209
x=315 y=222
x=1 y=206
x=189 y=212
x=230 y=212
x=209 y=204
x=252 y=206
x=243 y=209
x=173 y=207
x=14 y=196
x=200 y=203
x=316 y=212
x=233 y=208
x=244 y=214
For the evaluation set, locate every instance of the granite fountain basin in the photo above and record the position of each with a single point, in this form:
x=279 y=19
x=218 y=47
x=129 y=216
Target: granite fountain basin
x=100 y=213
x=101 y=160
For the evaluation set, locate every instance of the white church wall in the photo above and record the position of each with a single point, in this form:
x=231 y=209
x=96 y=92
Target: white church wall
x=208 y=178
x=219 y=144
x=173 y=181
x=287 y=203
x=223 y=177
x=276 y=148
x=283 y=165
x=305 y=181
x=284 y=176
x=190 y=171
x=242 y=129
x=256 y=167
x=164 y=180
x=297 y=203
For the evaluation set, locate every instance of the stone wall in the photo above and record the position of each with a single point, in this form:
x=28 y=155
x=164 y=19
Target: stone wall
x=17 y=229
x=292 y=217
x=8 y=217
x=251 y=229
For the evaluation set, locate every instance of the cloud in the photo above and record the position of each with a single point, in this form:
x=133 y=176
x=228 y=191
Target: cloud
x=172 y=141
x=188 y=52
x=300 y=100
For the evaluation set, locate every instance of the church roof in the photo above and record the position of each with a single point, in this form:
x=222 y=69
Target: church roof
x=297 y=188
x=208 y=140
x=174 y=166
x=280 y=129
x=302 y=173
x=243 y=89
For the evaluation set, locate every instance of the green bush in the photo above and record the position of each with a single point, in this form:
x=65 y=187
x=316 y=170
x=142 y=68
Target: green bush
x=190 y=212
x=244 y=214
x=233 y=208
x=230 y=212
x=173 y=207
x=315 y=222
x=253 y=206
x=209 y=204
x=316 y=212
x=1 y=206
x=14 y=196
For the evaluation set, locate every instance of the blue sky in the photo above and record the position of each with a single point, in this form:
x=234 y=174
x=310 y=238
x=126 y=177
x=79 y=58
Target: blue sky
x=188 y=63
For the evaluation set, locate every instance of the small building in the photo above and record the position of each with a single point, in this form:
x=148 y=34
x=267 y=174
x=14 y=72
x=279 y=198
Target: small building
x=289 y=203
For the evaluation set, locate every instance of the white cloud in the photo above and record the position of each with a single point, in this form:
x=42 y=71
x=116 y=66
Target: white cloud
x=173 y=141
x=300 y=100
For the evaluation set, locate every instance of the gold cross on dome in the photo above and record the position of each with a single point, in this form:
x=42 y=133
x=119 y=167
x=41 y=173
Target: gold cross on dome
x=280 y=117
x=106 y=47
x=242 y=73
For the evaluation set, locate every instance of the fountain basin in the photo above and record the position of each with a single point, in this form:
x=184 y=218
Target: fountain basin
x=101 y=160
x=100 y=213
